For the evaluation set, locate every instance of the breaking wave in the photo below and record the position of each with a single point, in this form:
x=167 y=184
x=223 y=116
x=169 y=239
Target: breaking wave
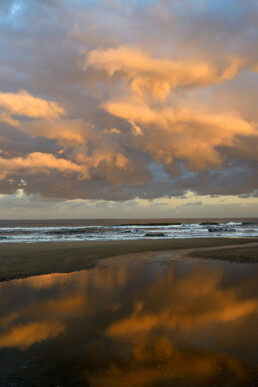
x=129 y=232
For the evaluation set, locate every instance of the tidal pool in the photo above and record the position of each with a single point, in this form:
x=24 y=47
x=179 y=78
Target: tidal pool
x=141 y=320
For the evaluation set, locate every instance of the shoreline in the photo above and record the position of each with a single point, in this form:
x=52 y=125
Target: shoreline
x=21 y=260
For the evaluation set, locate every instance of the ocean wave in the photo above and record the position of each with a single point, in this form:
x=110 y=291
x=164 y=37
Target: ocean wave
x=128 y=232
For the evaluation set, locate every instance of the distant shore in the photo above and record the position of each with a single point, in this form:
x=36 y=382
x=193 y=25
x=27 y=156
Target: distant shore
x=19 y=260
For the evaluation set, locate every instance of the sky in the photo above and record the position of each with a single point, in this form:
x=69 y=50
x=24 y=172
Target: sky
x=117 y=109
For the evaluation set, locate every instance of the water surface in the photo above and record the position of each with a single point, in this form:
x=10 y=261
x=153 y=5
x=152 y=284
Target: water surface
x=150 y=319
x=31 y=231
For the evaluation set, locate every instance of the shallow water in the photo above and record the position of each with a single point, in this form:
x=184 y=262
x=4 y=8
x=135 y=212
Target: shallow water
x=150 y=319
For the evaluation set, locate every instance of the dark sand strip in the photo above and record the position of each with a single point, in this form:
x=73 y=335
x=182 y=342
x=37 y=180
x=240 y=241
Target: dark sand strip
x=247 y=254
x=18 y=260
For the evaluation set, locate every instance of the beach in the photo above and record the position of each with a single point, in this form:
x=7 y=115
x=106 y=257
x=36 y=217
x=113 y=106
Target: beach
x=20 y=260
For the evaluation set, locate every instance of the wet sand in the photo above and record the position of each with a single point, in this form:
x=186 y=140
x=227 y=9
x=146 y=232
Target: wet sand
x=247 y=254
x=24 y=260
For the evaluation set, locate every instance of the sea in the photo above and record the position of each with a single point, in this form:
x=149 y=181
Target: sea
x=60 y=230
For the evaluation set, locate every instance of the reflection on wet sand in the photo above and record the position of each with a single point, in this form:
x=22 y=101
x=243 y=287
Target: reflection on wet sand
x=132 y=325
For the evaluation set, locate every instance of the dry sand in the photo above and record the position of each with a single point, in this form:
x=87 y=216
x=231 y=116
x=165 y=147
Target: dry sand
x=23 y=260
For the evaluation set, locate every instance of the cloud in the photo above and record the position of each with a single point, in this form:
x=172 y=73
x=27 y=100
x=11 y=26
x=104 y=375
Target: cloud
x=128 y=99
x=65 y=132
x=35 y=163
x=183 y=133
x=157 y=76
x=24 y=104
x=190 y=204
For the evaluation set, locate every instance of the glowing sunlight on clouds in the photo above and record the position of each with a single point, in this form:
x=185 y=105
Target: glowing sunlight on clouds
x=123 y=96
x=24 y=104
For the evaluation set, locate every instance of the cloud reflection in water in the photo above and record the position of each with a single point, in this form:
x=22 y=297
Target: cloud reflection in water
x=132 y=324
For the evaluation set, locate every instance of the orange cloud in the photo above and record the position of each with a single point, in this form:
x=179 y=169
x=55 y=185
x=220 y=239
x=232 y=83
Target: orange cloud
x=104 y=154
x=7 y=119
x=157 y=76
x=66 y=132
x=108 y=159
x=183 y=133
x=34 y=163
x=105 y=159
x=24 y=104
